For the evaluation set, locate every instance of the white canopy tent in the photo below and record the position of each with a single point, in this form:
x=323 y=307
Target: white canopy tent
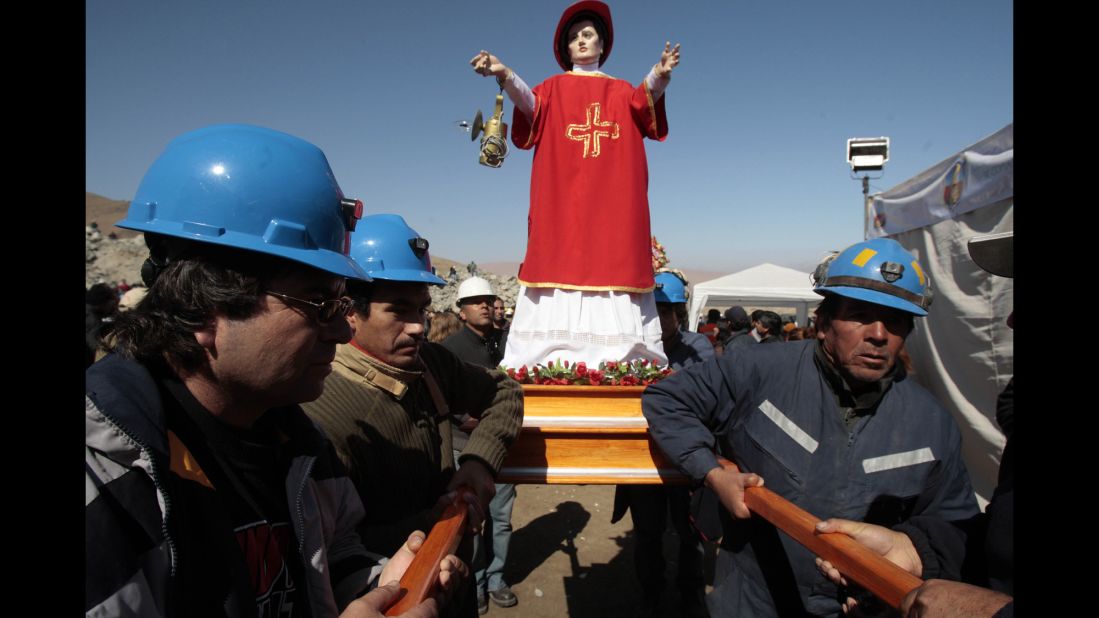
x=962 y=352
x=765 y=285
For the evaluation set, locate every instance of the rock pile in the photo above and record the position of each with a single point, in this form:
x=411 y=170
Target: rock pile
x=111 y=260
x=506 y=288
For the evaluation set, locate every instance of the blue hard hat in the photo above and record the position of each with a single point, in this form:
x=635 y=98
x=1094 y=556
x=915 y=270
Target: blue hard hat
x=251 y=188
x=386 y=248
x=878 y=271
x=669 y=288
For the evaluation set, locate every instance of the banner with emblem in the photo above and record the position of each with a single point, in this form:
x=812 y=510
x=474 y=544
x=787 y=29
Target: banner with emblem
x=963 y=352
x=981 y=175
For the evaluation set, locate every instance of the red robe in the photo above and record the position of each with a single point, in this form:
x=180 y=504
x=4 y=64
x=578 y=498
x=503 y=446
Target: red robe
x=588 y=227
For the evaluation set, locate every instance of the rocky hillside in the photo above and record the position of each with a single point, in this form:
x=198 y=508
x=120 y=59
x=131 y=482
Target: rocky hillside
x=112 y=260
x=506 y=288
x=104 y=212
x=115 y=255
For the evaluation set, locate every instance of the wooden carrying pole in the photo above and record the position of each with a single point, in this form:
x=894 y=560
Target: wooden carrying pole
x=419 y=580
x=881 y=577
x=884 y=579
x=598 y=435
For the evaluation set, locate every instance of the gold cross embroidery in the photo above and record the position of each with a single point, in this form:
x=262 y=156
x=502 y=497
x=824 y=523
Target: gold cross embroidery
x=590 y=132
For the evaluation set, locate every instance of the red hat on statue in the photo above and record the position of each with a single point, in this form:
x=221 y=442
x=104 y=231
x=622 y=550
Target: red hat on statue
x=599 y=13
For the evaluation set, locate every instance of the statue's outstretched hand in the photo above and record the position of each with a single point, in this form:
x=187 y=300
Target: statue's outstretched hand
x=486 y=64
x=669 y=59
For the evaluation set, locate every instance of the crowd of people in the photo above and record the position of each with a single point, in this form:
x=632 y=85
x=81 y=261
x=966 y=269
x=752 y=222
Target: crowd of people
x=275 y=418
x=761 y=326
x=735 y=328
x=409 y=408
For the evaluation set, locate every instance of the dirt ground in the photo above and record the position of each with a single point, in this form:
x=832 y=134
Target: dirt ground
x=567 y=559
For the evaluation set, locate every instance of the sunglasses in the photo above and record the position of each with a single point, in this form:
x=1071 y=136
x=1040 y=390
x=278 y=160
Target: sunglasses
x=327 y=310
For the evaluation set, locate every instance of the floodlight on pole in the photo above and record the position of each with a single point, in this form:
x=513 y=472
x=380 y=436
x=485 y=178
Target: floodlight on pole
x=867 y=154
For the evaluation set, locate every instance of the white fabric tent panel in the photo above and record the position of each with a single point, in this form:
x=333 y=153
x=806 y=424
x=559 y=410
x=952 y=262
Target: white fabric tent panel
x=763 y=284
x=963 y=351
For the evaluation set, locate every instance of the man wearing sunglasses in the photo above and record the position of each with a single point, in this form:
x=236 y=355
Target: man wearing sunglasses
x=209 y=492
x=388 y=402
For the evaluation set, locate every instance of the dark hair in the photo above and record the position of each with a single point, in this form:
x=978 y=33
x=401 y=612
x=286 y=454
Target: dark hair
x=724 y=330
x=772 y=322
x=738 y=319
x=360 y=293
x=712 y=316
x=827 y=309
x=597 y=23
x=756 y=314
x=682 y=315
x=191 y=283
x=99 y=294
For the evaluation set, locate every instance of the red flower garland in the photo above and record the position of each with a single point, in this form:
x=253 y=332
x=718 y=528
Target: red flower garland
x=610 y=373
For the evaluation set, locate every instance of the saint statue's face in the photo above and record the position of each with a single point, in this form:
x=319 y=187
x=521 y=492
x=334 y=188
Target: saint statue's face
x=585 y=47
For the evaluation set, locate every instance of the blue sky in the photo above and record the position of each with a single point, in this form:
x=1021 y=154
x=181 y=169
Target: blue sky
x=759 y=110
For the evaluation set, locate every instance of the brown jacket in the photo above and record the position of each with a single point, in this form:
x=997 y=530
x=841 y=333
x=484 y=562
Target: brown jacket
x=395 y=440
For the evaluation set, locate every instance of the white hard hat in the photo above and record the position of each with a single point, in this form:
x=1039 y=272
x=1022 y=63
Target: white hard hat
x=474 y=286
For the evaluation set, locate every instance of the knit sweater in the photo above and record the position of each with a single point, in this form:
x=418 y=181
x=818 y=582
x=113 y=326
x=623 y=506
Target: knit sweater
x=397 y=445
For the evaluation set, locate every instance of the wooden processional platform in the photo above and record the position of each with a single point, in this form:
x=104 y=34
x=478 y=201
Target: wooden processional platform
x=586 y=435
x=592 y=435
